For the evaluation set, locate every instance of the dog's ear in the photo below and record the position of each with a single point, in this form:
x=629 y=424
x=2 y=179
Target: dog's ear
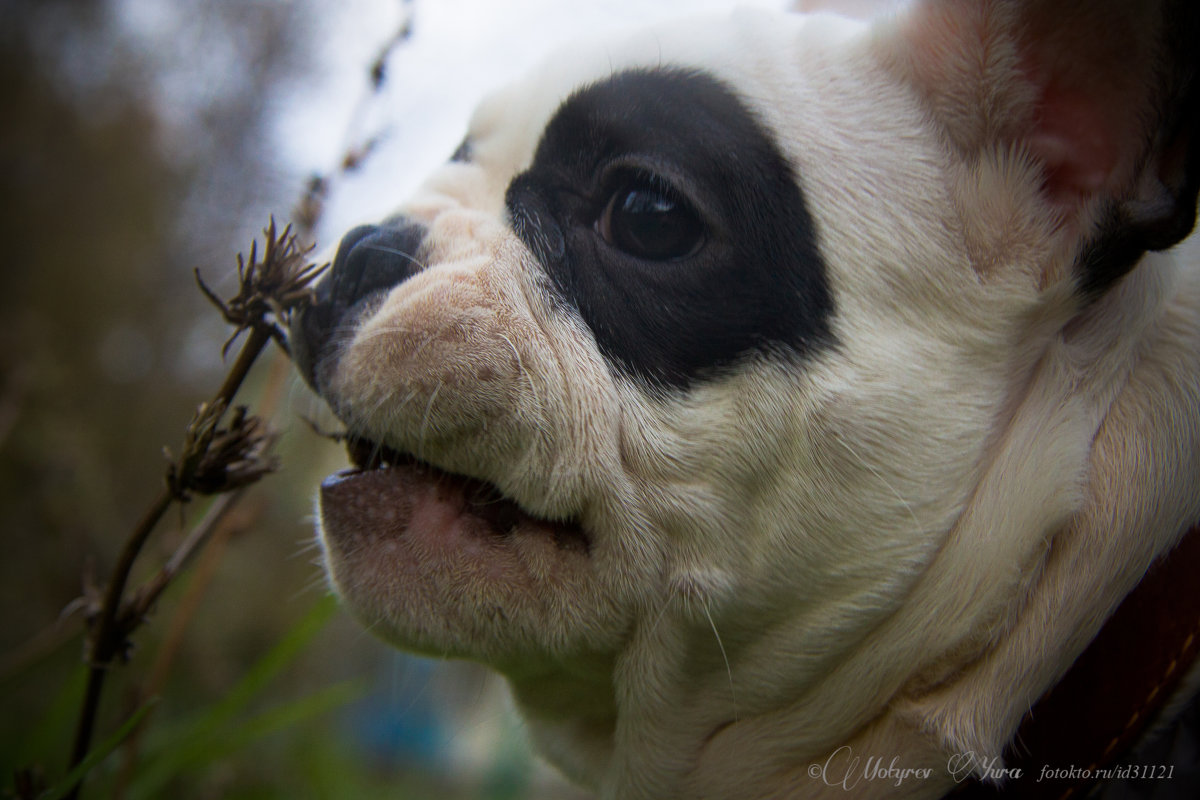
x=1102 y=96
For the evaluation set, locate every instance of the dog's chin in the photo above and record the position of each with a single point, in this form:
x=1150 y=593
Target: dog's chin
x=441 y=562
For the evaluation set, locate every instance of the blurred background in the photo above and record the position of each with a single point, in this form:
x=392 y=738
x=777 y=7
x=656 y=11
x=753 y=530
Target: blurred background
x=139 y=140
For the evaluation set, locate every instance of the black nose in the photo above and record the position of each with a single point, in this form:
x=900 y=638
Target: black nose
x=370 y=260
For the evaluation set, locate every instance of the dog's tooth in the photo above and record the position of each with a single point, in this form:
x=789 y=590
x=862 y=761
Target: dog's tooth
x=358 y=451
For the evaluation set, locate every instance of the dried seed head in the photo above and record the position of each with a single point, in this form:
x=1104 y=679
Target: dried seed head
x=269 y=290
x=237 y=456
x=215 y=459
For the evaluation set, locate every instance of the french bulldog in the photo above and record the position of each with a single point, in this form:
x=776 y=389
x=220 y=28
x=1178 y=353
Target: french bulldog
x=783 y=402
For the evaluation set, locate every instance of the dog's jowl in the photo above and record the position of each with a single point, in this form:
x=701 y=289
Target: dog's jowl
x=784 y=403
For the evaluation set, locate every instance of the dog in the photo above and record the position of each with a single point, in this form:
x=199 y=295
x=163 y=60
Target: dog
x=783 y=402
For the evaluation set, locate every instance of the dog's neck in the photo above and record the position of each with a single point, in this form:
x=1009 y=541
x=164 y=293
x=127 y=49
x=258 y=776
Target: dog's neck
x=1114 y=692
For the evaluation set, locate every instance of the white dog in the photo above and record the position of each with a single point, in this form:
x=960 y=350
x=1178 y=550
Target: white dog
x=783 y=403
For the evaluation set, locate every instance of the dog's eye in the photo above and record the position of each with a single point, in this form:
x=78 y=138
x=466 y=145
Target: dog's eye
x=647 y=219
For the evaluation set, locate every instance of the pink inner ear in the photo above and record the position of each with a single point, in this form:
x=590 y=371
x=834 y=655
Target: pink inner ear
x=1065 y=81
x=1074 y=140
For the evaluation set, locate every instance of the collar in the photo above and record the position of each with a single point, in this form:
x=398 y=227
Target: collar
x=1114 y=691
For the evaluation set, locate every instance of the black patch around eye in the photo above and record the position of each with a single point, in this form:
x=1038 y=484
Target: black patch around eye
x=665 y=214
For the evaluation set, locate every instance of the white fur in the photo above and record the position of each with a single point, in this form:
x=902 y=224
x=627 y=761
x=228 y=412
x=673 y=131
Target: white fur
x=896 y=547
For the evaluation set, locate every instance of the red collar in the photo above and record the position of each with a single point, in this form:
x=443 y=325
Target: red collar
x=1115 y=690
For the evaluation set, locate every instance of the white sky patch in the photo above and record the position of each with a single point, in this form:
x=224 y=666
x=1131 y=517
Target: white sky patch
x=459 y=51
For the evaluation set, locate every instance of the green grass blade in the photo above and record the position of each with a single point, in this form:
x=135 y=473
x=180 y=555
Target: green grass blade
x=55 y=725
x=98 y=754
x=198 y=753
x=207 y=736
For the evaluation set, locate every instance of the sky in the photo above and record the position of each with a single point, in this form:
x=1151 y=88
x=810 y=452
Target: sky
x=459 y=50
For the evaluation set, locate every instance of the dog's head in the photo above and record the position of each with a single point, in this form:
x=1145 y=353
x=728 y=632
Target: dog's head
x=708 y=378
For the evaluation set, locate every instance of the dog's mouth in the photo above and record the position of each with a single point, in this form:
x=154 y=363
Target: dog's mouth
x=391 y=493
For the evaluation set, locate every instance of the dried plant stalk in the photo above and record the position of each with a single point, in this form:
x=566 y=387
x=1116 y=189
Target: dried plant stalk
x=216 y=457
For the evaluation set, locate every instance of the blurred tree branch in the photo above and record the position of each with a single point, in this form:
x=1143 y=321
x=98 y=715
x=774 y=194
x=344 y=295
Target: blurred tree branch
x=356 y=148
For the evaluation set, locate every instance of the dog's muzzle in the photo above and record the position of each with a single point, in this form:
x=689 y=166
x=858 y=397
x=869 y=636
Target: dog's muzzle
x=370 y=261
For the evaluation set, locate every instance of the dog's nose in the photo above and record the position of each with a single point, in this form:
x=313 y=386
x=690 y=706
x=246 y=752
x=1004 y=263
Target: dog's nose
x=370 y=259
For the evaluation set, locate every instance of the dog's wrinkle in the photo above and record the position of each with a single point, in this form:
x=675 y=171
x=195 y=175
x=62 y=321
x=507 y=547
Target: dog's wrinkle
x=716 y=731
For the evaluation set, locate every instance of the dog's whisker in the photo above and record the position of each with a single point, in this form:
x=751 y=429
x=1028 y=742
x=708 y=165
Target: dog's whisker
x=662 y=612
x=304 y=548
x=389 y=330
x=398 y=680
x=841 y=442
x=393 y=251
x=317 y=584
x=725 y=656
x=425 y=421
x=537 y=400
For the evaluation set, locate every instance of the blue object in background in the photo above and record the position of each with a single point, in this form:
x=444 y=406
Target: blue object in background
x=399 y=721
